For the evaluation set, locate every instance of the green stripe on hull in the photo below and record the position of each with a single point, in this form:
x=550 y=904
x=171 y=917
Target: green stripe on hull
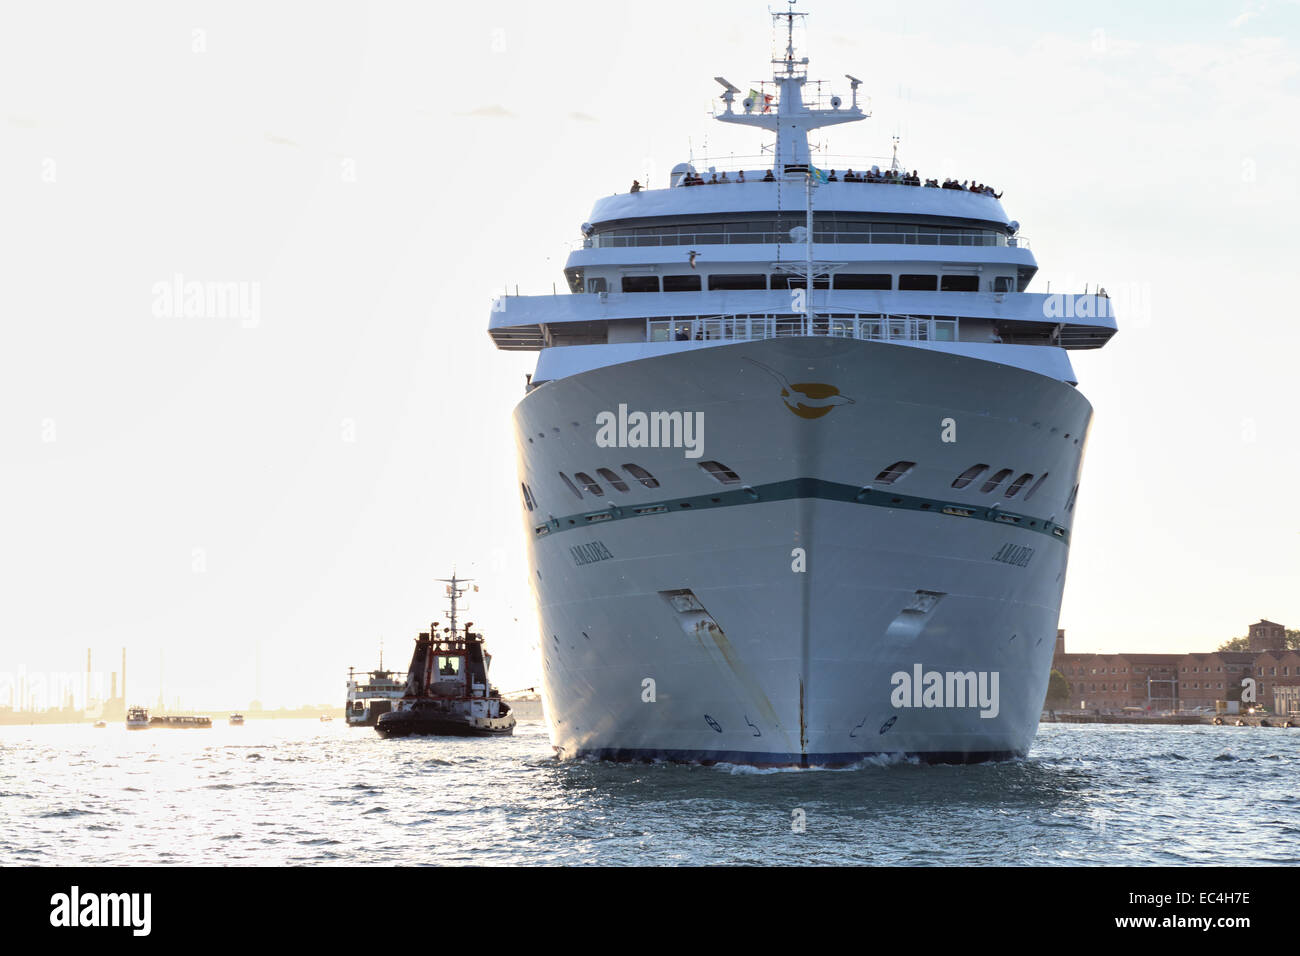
x=797 y=488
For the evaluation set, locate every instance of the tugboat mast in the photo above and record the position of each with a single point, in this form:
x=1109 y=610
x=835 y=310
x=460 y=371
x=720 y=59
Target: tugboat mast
x=454 y=591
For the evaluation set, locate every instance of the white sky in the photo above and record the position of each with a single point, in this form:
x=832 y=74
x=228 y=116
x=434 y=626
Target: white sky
x=381 y=170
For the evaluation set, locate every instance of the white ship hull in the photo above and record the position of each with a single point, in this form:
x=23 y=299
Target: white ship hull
x=783 y=665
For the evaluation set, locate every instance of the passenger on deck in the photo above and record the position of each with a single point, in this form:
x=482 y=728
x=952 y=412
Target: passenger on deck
x=713 y=180
x=724 y=178
x=740 y=178
x=768 y=177
x=636 y=186
x=850 y=176
x=832 y=178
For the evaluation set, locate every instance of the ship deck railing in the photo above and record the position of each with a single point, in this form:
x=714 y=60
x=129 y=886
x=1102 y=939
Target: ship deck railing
x=985 y=238
x=755 y=166
x=738 y=328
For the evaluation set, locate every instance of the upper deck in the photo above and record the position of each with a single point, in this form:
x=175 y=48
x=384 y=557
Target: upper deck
x=757 y=196
x=775 y=246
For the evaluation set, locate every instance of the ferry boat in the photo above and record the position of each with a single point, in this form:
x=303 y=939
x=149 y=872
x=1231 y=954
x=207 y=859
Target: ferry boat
x=181 y=722
x=372 y=695
x=137 y=718
x=447 y=689
x=864 y=551
x=236 y=720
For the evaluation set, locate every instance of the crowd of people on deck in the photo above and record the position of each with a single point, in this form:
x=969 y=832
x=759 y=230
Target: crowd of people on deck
x=874 y=175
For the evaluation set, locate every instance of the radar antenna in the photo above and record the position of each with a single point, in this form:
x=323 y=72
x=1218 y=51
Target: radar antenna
x=455 y=588
x=791 y=121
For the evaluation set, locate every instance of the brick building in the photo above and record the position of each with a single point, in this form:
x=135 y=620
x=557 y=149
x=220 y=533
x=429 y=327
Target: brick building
x=1267 y=636
x=1111 y=682
x=1277 y=674
x=1116 y=681
x=1206 y=678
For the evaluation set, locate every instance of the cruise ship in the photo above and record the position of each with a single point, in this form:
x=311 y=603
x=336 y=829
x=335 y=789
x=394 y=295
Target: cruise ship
x=799 y=458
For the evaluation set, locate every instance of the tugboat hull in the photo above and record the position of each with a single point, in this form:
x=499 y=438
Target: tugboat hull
x=407 y=724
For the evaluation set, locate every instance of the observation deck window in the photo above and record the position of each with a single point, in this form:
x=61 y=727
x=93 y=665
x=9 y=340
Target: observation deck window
x=863 y=280
x=640 y=283
x=787 y=280
x=682 y=283
x=744 y=281
x=959 y=284
x=918 y=283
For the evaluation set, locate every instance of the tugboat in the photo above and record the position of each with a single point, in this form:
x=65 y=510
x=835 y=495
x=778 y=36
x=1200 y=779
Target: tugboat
x=137 y=718
x=447 y=689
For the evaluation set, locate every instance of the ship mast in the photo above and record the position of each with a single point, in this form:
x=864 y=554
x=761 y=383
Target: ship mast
x=791 y=123
x=454 y=591
x=792 y=120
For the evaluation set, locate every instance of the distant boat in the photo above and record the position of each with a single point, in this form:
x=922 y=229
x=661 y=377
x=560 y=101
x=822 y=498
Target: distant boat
x=325 y=718
x=236 y=720
x=137 y=718
x=447 y=689
x=372 y=695
x=100 y=724
x=187 y=723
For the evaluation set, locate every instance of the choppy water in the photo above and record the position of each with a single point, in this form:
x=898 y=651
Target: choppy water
x=302 y=792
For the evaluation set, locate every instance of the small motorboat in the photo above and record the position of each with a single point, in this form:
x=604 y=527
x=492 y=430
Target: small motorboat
x=101 y=724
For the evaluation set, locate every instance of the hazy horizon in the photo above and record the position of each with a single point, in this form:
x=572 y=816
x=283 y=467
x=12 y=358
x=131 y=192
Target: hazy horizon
x=289 y=484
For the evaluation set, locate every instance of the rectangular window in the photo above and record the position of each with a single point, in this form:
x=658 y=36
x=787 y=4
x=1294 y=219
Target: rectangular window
x=863 y=280
x=1004 y=284
x=738 y=282
x=960 y=284
x=681 y=283
x=917 y=283
x=640 y=283
x=785 y=280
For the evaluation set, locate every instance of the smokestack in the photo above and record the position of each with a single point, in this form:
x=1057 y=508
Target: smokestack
x=112 y=694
